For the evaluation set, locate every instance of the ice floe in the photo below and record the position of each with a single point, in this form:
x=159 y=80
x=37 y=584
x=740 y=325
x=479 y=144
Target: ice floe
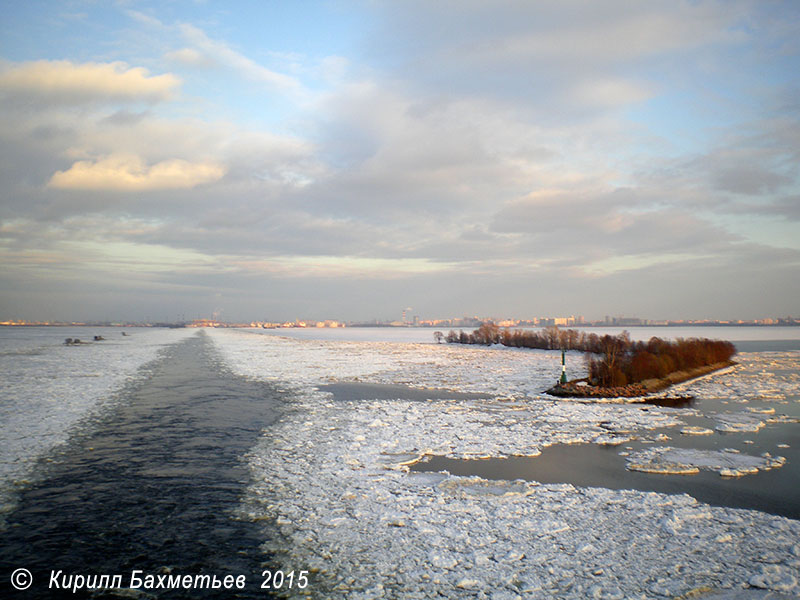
x=738 y=422
x=762 y=410
x=684 y=461
x=782 y=419
x=693 y=430
x=775 y=577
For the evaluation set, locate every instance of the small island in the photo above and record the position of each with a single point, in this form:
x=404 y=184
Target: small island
x=618 y=367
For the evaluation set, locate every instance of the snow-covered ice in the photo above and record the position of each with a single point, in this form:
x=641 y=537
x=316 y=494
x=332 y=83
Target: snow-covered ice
x=695 y=430
x=744 y=421
x=727 y=462
x=327 y=480
x=769 y=376
x=331 y=476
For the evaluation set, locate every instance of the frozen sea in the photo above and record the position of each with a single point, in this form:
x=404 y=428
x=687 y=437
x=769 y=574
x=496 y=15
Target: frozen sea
x=323 y=431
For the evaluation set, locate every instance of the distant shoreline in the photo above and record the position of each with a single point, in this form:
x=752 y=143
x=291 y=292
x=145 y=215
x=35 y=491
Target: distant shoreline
x=598 y=325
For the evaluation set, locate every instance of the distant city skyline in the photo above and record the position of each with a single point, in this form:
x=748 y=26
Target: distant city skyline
x=416 y=321
x=327 y=160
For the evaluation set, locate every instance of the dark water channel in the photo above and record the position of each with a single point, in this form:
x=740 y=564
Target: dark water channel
x=150 y=486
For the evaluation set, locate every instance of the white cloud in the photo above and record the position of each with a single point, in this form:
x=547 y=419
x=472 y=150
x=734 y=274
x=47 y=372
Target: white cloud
x=222 y=53
x=130 y=173
x=66 y=82
x=609 y=92
x=190 y=57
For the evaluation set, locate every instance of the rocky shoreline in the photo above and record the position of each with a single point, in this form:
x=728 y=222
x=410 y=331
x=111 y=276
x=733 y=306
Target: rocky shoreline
x=581 y=388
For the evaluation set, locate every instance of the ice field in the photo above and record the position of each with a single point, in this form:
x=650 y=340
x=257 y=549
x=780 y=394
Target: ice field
x=333 y=477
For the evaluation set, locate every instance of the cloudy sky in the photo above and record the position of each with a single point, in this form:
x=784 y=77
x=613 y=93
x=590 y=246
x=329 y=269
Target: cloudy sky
x=281 y=160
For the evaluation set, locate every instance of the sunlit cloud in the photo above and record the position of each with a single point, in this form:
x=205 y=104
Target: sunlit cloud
x=339 y=266
x=132 y=257
x=130 y=173
x=66 y=82
x=191 y=57
x=617 y=264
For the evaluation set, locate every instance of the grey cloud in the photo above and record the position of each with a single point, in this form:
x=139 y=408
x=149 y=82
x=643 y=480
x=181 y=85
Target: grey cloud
x=749 y=169
x=561 y=58
x=125 y=118
x=749 y=180
x=397 y=158
x=578 y=230
x=787 y=207
x=562 y=211
x=753 y=166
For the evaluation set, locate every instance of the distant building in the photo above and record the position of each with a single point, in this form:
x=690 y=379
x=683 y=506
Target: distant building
x=205 y=323
x=627 y=321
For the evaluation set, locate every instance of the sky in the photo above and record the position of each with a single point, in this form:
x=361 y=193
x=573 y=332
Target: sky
x=351 y=160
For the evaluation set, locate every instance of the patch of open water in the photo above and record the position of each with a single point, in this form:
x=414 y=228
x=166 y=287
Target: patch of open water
x=592 y=465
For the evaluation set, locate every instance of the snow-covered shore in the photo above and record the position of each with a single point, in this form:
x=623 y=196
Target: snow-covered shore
x=331 y=477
